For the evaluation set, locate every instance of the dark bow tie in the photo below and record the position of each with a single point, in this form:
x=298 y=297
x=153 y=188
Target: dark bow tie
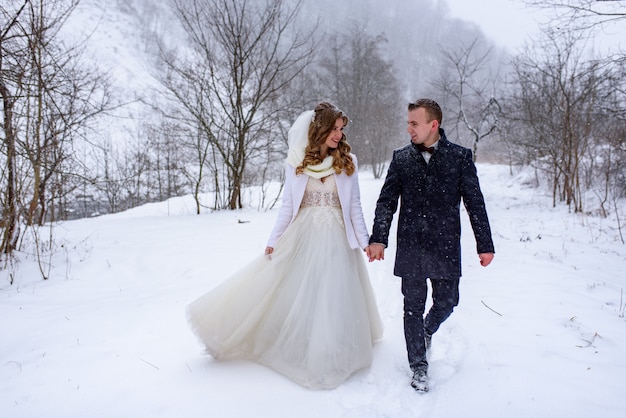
x=424 y=148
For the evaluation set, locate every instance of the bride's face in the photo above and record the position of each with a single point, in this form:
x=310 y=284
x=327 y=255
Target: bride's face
x=332 y=141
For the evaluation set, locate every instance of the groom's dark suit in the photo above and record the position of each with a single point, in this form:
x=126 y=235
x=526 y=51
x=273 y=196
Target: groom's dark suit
x=429 y=231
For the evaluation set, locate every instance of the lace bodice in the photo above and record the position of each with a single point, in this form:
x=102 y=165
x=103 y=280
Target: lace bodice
x=321 y=193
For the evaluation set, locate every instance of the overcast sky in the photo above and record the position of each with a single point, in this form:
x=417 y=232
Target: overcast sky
x=506 y=22
x=509 y=22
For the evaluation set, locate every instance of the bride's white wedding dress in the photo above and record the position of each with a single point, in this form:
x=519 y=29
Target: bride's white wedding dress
x=307 y=311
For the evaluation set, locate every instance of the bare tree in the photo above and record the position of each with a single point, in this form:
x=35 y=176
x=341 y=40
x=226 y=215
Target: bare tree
x=123 y=174
x=363 y=83
x=168 y=158
x=558 y=99
x=10 y=51
x=244 y=56
x=583 y=14
x=607 y=173
x=111 y=182
x=62 y=96
x=469 y=91
x=48 y=98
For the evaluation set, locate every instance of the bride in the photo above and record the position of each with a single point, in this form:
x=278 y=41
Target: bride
x=306 y=307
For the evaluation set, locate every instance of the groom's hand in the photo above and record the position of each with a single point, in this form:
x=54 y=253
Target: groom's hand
x=375 y=252
x=485 y=259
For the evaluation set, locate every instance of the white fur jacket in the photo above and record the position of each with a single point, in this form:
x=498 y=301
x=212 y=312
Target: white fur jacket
x=349 y=196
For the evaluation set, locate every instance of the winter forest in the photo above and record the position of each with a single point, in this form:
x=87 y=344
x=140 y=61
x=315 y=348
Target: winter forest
x=110 y=105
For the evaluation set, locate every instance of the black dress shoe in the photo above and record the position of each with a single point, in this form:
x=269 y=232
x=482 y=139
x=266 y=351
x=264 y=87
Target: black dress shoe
x=420 y=381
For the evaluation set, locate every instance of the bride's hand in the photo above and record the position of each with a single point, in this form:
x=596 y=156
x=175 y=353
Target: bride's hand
x=269 y=250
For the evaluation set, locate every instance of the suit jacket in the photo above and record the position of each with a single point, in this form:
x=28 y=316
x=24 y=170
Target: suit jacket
x=349 y=196
x=429 y=225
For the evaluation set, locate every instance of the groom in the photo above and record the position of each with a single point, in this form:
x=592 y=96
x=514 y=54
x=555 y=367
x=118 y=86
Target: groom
x=431 y=175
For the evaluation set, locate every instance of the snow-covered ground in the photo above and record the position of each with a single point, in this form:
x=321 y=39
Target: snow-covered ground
x=539 y=333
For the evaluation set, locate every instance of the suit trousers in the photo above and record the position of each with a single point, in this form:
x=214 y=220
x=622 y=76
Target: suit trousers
x=445 y=295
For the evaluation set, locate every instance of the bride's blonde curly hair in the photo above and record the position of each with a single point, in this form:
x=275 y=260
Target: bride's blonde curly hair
x=326 y=114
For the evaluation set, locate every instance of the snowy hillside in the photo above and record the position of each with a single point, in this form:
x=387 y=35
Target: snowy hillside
x=119 y=37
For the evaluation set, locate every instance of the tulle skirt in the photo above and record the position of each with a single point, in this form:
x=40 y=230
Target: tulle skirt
x=307 y=310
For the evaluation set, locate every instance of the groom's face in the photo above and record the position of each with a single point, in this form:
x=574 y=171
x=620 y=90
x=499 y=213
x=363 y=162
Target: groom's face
x=421 y=130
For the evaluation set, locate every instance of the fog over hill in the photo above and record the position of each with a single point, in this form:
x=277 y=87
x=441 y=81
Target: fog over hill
x=121 y=37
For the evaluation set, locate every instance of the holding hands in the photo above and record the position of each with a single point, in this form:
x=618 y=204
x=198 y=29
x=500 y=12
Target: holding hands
x=375 y=252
